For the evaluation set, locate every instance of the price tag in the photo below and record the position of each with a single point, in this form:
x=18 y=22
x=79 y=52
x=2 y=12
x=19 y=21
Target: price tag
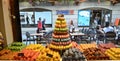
x=49 y=55
x=21 y=54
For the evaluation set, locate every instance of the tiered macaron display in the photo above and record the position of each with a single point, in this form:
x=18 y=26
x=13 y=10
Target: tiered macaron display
x=61 y=38
x=113 y=53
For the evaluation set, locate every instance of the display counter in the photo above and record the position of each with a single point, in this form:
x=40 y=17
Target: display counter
x=103 y=60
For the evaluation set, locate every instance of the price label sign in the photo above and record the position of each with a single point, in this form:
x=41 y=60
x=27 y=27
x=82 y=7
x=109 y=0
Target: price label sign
x=21 y=54
x=49 y=55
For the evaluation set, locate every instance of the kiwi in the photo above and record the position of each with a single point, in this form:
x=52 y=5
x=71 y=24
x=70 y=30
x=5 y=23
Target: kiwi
x=71 y=53
x=81 y=56
x=73 y=49
x=66 y=52
x=76 y=56
x=64 y=56
x=76 y=50
x=69 y=56
x=80 y=53
x=69 y=49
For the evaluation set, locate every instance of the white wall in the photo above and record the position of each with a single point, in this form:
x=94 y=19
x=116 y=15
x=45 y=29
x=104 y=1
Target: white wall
x=2 y=26
x=7 y=21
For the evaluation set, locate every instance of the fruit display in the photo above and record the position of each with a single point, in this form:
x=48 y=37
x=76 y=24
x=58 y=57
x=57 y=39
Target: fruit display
x=86 y=46
x=48 y=55
x=73 y=54
x=7 y=54
x=27 y=55
x=4 y=51
x=60 y=36
x=95 y=54
x=16 y=46
x=113 y=53
x=35 y=47
x=103 y=47
x=75 y=45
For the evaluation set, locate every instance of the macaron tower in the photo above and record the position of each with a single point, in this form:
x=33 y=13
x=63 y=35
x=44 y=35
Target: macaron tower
x=60 y=36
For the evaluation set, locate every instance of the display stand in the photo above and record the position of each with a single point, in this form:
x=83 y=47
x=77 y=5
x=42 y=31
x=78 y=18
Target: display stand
x=61 y=38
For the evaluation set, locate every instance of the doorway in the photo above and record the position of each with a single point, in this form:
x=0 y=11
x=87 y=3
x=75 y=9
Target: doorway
x=97 y=14
x=103 y=15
